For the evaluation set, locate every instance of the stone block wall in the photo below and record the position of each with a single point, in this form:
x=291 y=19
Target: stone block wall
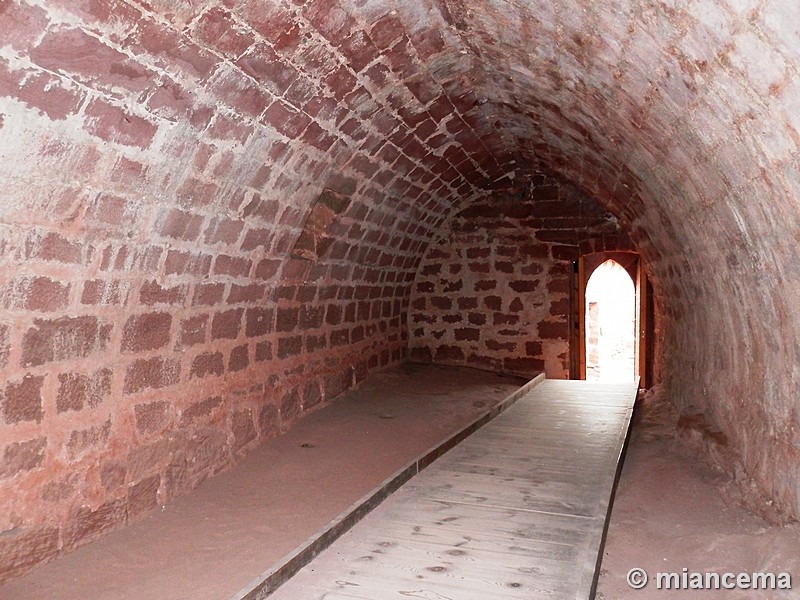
x=164 y=271
x=211 y=219
x=493 y=290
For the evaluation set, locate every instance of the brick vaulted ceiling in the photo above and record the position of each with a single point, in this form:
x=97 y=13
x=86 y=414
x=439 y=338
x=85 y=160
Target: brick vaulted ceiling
x=156 y=149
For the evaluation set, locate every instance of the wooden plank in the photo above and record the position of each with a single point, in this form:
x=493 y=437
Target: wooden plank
x=263 y=585
x=452 y=563
x=425 y=517
x=517 y=510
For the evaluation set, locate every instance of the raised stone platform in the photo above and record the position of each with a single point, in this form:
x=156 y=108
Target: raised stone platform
x=249 y=521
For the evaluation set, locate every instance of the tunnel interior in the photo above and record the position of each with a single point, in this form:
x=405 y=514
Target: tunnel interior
x=220 y=214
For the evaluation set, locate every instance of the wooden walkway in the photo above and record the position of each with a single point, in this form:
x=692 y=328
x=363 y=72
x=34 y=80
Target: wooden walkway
x=517 y=510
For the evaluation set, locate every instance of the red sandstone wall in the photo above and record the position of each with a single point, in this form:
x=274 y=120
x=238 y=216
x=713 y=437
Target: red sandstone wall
x=494 y=290
x=163 y=156
x=158 y=162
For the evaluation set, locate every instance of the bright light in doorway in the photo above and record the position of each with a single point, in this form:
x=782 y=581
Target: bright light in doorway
x=610 y=324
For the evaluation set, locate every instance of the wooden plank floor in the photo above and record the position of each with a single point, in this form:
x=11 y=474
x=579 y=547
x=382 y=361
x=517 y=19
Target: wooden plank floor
x=517 y=510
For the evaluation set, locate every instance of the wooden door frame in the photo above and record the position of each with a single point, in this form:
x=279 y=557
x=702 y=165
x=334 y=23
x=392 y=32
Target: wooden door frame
x=582 y=270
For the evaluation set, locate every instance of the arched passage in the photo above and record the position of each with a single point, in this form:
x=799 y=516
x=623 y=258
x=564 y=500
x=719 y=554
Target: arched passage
x=161 y=160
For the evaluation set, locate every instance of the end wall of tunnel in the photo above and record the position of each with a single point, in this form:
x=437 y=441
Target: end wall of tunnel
x=494 y=288
x=177 y=284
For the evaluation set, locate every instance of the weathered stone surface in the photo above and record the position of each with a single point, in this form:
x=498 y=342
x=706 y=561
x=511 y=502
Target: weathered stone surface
x=82 y=440
x=63 y=338
x=243 y=428
x=86 y=523
x=22 y=456
x=200 y=410
x=142 y=496
x=22 y=400
x=490 y=263
x=76 y=390
x=21 y=549
x=158 y=160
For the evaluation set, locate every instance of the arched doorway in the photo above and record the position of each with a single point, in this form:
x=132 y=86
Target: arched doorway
x=610 y=324
x=644 y=311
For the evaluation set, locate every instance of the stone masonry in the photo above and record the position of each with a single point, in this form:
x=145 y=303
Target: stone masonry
x=493 y=290
x=219 y=214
